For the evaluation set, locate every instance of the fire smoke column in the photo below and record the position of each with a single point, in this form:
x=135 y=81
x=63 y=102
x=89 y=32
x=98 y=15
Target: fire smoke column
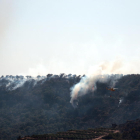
x=74 y=93
x=98 y=74
x=78 y=90
x=86 y=84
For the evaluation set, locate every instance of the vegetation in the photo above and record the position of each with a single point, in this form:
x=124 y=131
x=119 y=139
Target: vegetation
x=129 y=130
x=44 y=107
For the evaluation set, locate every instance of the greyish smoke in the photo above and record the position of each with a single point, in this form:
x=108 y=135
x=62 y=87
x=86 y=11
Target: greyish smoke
x=121 y=100
x=88 y=83
x=14 y=82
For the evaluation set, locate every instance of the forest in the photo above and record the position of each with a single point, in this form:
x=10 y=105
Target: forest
x=41 y=105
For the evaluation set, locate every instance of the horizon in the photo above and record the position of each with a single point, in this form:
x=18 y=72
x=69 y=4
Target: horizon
x=29 y=76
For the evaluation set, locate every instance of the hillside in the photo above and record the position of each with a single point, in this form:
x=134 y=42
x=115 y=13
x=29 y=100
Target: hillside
x=129 y=130
x=41 y=106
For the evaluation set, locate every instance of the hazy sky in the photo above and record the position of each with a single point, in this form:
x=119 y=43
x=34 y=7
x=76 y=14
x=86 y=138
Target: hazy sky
x=68 y=36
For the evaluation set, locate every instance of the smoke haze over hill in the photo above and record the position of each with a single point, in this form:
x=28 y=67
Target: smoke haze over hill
x=42 y=105
x=58 y=57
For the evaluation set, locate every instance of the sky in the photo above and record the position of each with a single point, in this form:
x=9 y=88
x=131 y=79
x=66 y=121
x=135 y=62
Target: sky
x=68 y=36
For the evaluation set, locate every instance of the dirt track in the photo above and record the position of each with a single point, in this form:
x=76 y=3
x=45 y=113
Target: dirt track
x=100 y=137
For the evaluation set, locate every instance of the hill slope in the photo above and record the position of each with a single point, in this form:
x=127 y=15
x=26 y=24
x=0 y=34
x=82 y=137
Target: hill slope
x=43 y=106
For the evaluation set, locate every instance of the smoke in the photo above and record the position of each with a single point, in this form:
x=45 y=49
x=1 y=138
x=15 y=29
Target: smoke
x=14 y=82
x=99 y=73
x=120 y=101
x=40 y=69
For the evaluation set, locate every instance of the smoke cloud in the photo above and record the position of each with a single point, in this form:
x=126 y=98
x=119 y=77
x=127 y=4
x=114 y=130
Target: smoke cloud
x=14 y=82
x=100 y=73
x=120 y=101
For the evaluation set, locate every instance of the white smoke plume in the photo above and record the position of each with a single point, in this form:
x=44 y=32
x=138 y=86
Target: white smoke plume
x=120 y=101
x=14 y=82
x=100 y=73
